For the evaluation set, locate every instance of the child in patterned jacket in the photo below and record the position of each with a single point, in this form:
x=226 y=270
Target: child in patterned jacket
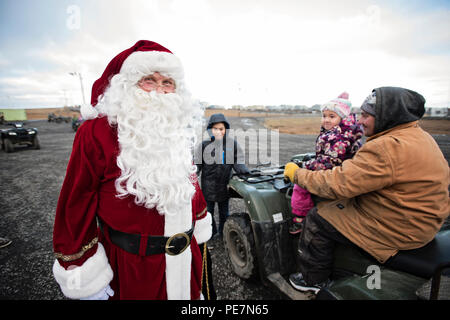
x=338 y=140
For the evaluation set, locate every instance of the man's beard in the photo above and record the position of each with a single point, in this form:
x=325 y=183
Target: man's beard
x=156 y=150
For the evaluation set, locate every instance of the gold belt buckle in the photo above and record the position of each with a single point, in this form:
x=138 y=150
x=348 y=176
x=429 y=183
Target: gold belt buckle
x=168 y=246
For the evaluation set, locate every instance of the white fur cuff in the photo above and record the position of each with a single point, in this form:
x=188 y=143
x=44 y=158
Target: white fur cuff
x=88 y=112
x=86 y=280
x=203 y=229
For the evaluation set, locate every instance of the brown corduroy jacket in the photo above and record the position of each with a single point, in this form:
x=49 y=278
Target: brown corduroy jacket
x=392 y=195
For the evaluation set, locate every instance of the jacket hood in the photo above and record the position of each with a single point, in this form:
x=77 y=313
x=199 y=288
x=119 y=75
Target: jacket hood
x=395 y=106
x=216 y=118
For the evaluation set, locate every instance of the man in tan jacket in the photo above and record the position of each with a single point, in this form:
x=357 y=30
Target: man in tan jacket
x=392 y=195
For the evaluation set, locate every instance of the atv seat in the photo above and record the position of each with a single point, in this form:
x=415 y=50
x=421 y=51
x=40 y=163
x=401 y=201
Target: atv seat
x=424 y=262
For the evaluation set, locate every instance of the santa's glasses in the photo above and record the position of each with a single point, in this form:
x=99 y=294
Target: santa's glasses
x=157 y=81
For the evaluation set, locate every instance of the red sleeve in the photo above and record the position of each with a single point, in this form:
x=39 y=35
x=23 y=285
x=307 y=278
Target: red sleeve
x=75 y=230
x=198 y=202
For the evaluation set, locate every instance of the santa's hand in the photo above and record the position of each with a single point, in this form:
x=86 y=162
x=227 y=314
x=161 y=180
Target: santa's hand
x=289 y=170
x=103 y=294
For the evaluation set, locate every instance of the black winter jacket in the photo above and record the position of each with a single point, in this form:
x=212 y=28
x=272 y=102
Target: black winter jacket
x=218 y=159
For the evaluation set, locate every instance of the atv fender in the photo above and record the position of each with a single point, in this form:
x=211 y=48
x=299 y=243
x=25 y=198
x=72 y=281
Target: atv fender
x=269 y=214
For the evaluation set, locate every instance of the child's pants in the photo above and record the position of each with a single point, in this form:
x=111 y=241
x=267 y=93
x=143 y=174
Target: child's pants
x=316 y=248
x=301 y=201
x=223 y=214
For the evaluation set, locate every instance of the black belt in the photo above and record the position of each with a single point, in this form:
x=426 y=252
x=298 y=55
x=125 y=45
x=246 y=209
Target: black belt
x=131 y=242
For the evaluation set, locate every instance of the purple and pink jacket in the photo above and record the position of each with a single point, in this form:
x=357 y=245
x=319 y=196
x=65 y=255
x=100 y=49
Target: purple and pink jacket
x=332 y=148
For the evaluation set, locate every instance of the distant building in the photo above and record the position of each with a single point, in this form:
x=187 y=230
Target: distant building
x=356 y=110
x=14 y=114
x=315 y=108
x=436 y=112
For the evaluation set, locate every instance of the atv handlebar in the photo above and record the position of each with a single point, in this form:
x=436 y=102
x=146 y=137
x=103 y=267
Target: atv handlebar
x=258 y=175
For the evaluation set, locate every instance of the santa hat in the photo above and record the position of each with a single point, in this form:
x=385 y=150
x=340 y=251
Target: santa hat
x=341 y=105
x=143 y=58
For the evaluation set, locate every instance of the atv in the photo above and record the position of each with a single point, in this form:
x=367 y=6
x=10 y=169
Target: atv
x=259 y=245
x=18 y=135
x=76 y=123
x=58 y=119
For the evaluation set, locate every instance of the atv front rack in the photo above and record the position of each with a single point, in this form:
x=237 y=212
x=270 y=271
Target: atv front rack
x=259 y=176
x=267 y=174
x=273 y=175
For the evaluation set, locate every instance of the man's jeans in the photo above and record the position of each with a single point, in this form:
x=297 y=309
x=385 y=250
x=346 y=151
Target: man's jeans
x=316 y=248
x=223 y=214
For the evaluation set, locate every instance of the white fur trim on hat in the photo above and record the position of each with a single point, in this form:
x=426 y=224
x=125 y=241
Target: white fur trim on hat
x=142 y=63
x=86 y=280
x=203 y=229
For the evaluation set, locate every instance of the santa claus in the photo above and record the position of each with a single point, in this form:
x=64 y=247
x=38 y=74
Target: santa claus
x=131 y=214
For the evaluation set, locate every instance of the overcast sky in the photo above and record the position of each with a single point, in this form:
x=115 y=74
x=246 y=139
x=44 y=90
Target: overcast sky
x=246 y=52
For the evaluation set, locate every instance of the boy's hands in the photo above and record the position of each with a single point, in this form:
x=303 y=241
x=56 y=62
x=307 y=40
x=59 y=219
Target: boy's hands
x=289 y=170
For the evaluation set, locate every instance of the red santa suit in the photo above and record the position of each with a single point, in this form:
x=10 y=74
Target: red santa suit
x=87 y=259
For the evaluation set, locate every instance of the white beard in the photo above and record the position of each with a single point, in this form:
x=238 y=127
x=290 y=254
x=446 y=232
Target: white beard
x=156 y=138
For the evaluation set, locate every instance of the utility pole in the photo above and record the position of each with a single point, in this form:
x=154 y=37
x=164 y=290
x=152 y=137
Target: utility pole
x=81 y=83
x=65 y=97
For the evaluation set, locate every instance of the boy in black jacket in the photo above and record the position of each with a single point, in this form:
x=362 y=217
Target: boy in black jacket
x=219 y=156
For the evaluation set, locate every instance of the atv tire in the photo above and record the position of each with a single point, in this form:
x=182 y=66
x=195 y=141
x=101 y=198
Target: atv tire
x=240 y=245
x=9 y=147
x=35 y=144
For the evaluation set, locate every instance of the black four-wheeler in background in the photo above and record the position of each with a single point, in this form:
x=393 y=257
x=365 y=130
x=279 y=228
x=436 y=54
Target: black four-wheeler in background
x=76 y=123
x=58 y=119
x=18 y=135
x=259 y=245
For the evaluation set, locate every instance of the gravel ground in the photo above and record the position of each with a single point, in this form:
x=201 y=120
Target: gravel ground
x=30 y=181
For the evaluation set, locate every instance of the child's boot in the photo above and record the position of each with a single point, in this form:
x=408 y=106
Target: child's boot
x=296 y=226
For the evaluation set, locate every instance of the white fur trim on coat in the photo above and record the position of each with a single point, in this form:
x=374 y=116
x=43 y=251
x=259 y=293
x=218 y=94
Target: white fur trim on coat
x=178 y=268
x=86 y=280
x=88 y=112
x=203 y=229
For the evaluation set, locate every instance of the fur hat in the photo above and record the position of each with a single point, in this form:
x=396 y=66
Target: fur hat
x=341 y=105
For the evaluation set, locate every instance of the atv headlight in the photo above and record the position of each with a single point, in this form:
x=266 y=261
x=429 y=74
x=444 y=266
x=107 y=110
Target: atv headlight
x=31 y=132
x=12 y=133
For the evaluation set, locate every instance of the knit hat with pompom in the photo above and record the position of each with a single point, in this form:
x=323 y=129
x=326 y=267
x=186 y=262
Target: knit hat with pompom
x=341 y=105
